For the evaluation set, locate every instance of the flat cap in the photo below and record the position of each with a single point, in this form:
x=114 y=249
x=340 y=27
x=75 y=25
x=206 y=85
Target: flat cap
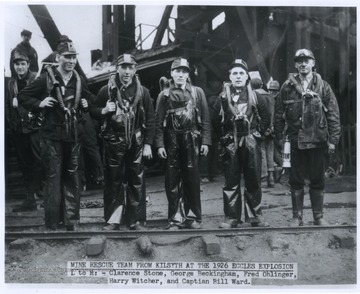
x=66 y=48
x=303 y=53
x=26 y=33
x=126 y=59
x=19 y=56
x=239 y=63
x=180 y=63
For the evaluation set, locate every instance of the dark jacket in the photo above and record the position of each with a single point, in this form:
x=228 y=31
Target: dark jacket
x=18 y=119
x=176 y=95
x=30 y=53
x=310 y=122
x=259 y=115
x=55 y=125
x=128 y=93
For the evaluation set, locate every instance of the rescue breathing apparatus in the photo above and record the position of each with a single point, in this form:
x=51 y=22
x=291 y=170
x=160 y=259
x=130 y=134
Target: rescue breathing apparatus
x=124 y=114
x=238 y=119
x=70 y=114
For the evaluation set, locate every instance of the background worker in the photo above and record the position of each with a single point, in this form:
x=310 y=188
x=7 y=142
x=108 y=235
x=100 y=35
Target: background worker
x=24 y=131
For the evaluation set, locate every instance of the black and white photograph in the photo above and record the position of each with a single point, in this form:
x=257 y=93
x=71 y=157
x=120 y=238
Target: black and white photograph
x=179 y=146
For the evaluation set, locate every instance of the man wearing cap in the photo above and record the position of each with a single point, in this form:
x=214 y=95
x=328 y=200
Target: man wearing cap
x=89 y=148
x=306 y=111
x=24 y=126
x=267 y=143
x=62 y=95
x=242 y=120
x=182 y=134
x=128 y=131
x=25 y=47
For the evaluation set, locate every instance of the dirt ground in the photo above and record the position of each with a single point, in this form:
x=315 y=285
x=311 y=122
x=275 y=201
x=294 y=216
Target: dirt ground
x=322 y=257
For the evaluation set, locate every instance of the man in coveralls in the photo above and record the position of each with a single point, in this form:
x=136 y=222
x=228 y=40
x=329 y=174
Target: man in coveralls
x=128 y=132
x=182 y=130
x=62 y=95
x=243 y=119
x=308 y=107
x=24 y=131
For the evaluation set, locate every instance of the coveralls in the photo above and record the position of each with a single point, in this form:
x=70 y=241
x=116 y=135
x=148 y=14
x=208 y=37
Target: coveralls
x=125 y=133
x=61 y=133
x=241 y=152
x=312 y=119
x=182 y=126
x=24 y=132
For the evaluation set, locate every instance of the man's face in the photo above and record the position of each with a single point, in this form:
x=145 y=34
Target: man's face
x=21 y=67
x=25 y=39
x=126 y=72
x=238 y=77
x=304 y=65
x=67 y=62
x=180 y=75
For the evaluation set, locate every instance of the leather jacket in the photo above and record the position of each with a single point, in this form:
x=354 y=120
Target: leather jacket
x=311 y=118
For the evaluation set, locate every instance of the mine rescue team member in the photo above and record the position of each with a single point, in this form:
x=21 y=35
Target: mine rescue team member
x=24 y=131
x=182 y=130
x=62 y=96
x=308 y=107
x=128 y=133
x=243 y=118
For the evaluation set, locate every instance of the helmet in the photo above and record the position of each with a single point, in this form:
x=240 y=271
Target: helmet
x=274 y=85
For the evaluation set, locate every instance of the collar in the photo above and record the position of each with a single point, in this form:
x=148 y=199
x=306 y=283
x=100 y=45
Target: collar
x=25 y=78
x=187 y=86
x=120 y=84
x=308 y=78
x=241 y=90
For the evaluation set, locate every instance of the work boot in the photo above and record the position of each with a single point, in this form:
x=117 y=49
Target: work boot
x=270 y=179
x=317 y=202
x=29 y=204
x=297 y=201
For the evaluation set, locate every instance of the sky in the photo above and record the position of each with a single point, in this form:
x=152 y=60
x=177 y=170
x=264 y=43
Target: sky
x=82 y=23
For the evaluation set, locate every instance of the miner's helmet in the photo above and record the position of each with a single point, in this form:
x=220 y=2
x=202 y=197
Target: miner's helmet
x=239 y=63
x=274 y=86
x=303 y=53
x=180 y=63
x=66 y=48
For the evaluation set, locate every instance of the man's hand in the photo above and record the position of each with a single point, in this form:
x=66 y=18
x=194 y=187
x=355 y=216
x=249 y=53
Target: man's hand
x=147 y=153
x=110 y=107
x=84 y=103
x=15 y=102
x=48 y=102
x=204 y=149
x=162 y=153
x=332 y=148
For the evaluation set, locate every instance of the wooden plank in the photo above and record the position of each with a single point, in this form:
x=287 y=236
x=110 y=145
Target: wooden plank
x=164 y=22
x=248 y=28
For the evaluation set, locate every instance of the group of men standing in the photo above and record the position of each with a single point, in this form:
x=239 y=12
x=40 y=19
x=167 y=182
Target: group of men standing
x=179 y=129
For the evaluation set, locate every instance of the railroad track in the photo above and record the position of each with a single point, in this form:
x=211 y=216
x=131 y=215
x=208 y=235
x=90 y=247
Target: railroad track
x=151 y=231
